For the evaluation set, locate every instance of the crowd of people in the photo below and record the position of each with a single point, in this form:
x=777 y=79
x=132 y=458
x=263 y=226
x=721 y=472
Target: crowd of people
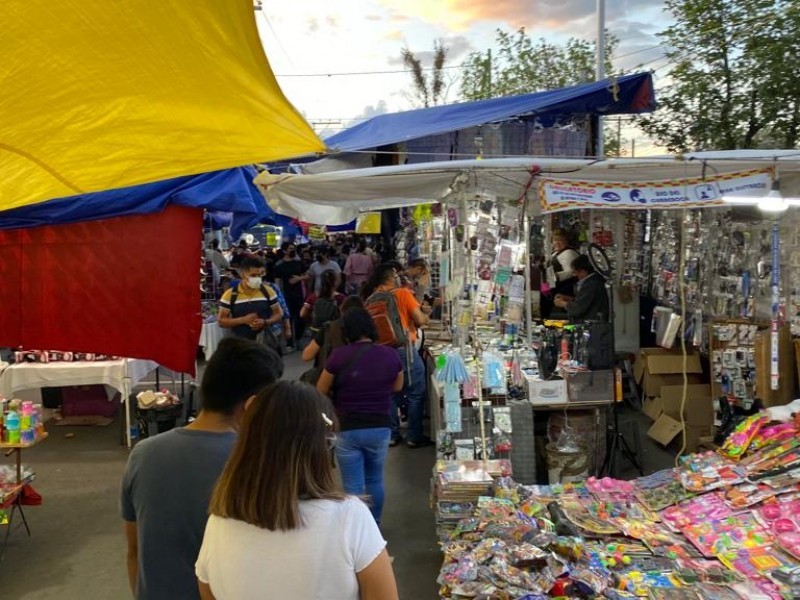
x=244 y=501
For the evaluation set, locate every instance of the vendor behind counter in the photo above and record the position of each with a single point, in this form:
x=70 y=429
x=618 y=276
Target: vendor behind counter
x=590 y=302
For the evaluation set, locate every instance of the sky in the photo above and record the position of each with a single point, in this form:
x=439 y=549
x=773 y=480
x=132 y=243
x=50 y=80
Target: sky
x=339 y=61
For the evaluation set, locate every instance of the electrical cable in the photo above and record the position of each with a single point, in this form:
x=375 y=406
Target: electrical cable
x=685 y=354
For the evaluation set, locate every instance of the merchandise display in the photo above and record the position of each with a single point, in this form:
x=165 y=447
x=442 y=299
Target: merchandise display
x=677 y=533
x=49 y=356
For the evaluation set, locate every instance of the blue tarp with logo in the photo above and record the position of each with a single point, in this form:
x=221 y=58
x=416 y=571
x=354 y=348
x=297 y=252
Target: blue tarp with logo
x=629 y=94
x=229 y=191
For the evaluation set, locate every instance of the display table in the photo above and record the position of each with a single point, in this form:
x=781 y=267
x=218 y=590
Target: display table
x=210 y=336
x=12 y=496
x=121 y=374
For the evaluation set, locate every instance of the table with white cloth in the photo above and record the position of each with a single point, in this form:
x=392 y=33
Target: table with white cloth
x=210 y=336
x=122 y=375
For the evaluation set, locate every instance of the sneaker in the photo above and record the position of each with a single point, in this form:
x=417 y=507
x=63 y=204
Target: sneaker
x=422 y=443
x=394 y=441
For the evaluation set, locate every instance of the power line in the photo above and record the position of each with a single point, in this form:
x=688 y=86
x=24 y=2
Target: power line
x=352 y=73
x=444 y=68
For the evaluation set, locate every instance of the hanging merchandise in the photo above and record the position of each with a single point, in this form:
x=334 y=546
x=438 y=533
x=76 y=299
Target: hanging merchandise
x=450 y=368
x=494 y=373
x=452 y=407
x=776 y=299
x=422 y=212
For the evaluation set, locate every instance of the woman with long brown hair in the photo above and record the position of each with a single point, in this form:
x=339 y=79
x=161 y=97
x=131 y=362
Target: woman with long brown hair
x=280 y=527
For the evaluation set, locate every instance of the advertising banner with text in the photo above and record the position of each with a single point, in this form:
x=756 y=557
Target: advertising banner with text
x=564 y=194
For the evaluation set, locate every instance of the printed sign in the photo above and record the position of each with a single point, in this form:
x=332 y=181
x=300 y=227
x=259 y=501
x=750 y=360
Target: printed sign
x=368 y=223
x=564 y=194
x=317 y=232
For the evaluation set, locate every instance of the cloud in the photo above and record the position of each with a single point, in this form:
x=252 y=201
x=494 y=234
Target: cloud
x=312 y=24
x=332 y=21
x=394 y=36
x=553 y=14
x=369 y=111
x=373 y=18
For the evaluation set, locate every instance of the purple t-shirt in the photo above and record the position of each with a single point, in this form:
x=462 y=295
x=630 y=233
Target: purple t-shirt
x=363 y=393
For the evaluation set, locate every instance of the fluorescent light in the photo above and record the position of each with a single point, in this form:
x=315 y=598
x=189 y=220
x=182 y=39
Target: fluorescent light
x=773 y=202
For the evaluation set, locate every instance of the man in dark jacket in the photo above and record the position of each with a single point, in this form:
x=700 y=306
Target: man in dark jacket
x=591 y=298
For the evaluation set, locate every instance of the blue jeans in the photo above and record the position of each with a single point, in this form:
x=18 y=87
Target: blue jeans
x=414 y=390
x=360 y=454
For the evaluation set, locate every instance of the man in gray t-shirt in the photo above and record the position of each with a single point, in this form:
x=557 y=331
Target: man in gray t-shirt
x=318 y=267
x=170 y=477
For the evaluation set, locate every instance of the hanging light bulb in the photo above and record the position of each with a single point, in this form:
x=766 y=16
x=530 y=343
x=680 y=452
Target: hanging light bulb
x=773 y=202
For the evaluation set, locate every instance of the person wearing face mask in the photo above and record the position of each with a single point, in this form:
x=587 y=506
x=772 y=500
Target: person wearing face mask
x=249 y=308
x=318 y=267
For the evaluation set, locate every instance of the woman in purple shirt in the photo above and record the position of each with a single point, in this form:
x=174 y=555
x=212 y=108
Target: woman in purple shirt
x=362 y=378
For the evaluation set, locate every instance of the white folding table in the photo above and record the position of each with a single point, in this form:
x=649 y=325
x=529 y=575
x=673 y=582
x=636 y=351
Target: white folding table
x=122 y=375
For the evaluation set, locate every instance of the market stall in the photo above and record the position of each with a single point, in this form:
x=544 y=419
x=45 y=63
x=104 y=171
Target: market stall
x=665 y=231
x=121 y=375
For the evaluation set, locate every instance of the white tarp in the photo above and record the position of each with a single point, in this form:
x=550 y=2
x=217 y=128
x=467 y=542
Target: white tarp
x=338 y=197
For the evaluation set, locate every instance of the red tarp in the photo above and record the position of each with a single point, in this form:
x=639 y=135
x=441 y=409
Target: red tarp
x=127 y=286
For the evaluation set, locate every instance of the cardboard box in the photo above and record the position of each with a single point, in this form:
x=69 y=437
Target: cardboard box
x=696 y=436
x=591 y=386
x=657 y=367
x=652 y=407
x=550 y=391
x=786 y=367
x=698 y=416
x=699 y=407
x=664 y=429
x=668 y=432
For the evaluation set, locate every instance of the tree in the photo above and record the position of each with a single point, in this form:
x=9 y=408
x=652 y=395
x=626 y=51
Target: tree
x=733 y=78
x=427 y=91
x=521 y=65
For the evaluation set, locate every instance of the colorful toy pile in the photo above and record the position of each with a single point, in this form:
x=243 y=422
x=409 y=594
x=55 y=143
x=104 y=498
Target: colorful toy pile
x=722 y=525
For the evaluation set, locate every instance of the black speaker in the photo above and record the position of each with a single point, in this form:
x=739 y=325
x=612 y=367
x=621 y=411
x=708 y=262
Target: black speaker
x=600 y=346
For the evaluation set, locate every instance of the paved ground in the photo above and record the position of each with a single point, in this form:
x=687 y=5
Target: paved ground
x=77 y=549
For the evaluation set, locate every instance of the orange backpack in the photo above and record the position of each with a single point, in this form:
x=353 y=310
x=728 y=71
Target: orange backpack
x=385 y=312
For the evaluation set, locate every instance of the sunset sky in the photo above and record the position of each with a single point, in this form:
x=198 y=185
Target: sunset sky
x=309 y=45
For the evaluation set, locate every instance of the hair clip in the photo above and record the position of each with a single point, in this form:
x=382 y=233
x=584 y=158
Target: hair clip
x=325 y=418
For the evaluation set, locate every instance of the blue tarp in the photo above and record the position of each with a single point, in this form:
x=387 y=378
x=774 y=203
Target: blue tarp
x=628 y=94
x=228 y=191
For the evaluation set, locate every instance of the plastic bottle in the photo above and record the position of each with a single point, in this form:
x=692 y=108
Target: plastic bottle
x=27 y=416
x=12 y=427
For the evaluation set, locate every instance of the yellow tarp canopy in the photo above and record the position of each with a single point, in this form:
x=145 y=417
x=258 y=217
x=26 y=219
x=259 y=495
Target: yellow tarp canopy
x=100 y=94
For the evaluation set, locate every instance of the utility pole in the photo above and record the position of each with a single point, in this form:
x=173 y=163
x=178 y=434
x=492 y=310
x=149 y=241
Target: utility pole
x=601 y=68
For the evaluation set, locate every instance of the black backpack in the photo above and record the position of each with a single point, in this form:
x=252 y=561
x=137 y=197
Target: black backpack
x=325 y=310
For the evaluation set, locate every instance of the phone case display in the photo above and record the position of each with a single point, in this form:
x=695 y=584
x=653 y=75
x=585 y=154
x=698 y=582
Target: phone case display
x=634 y=269
x=733 y=361
x=666 y=230
x=790 y=269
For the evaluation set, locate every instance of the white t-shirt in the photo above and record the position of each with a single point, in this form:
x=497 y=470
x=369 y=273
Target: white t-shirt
x=318 y=560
